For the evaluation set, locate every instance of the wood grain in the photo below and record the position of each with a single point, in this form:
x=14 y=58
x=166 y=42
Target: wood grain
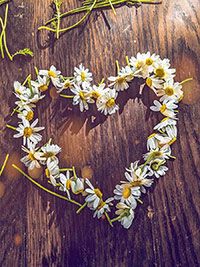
x=40 y=230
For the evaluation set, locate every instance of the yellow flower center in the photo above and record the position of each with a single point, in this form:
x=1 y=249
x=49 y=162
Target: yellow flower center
x=172 y=141
x=152 y=135
x=31 y=156
x=180 y=98
x=169 y=91
x=120 y=80
x=68 y=185
x=165 y=119
x=101 y=205
x=81 y=94
x=18 y=92
x=27 y=132
x=29 y=115
x=126 y=193
x=149 y=61
x=95 y=94
x=149 y=82
x=136 y=183
x=48 y=154
x=139 y=65
x=47 y=173
x=67 y=85
x=163 y=108
x=51 y=73
x=98 y=193
x=160 y=72
x=43 y=88
x=157 y=153
x=83 y=77
x=110 y=103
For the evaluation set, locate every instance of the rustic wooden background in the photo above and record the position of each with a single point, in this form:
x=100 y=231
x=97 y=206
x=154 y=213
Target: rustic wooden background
x=40 y=230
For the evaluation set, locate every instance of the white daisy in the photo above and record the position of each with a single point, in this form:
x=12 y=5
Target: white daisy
x=106 y=103
x=127 y=194
x=82 y=76
x=154 y=83
x=164 y=123
x=53 y=75
x=162 y=70
x=81 y=97
x=154 y=140
x=98 y=91
x=167 y=108
x=159 y=153
x=41 y=84
x=27 y=114
x=126 y=214
x=77 y=185
x=128 y=73
x=49 y=153
x=171 y=132
x=18 y=88
x=31 y=160
x=52 y=172
x=137 y=178
x=29 y=132
x=156 y=168
x=103 y=207
x=67 y=84
x=170 y=91
x=65 y=180
x=138 y=64
x=94 y=197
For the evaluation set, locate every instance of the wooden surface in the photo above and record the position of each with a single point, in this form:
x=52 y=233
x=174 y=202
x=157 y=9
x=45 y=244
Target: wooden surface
x=40 y=230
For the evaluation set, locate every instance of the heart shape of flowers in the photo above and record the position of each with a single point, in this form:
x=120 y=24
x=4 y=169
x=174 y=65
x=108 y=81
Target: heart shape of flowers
x=158 y=76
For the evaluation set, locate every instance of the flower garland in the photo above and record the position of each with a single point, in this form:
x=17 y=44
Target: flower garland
x=158 y=76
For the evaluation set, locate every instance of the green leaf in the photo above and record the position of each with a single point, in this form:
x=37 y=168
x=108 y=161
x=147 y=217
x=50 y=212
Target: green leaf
x=25 y=52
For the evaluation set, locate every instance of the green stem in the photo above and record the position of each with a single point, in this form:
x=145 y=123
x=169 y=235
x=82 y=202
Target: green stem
x=58 y=18
x=67 y=96
x=82 y=207
x=186 y=80
x=117 y=218
x=72 y=26
x=29 y=76
x=117 y=64
x=139 y=200
x=11 y=127
x=14 y=110
x=110 y=1
x=36 y=70
x=64 y=170
x=4 y=164
x=1 y=36
x=108 y=218
x=99 y=5
x=44 y=188
x=127 y=61
x=3 y=2
x=149 y=158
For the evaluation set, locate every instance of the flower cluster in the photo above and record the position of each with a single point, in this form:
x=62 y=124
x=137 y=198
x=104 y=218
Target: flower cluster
x=158 y=76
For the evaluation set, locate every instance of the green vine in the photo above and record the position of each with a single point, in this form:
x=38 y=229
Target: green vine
x=86 y=6
x=3 y=43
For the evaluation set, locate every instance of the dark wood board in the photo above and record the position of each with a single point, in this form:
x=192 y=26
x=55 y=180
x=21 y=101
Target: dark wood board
x=38 y=229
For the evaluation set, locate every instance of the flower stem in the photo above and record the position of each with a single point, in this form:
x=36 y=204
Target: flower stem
x=186 y=80
x=108 y=218
x=139 y=200
x=67 y=96
x=127 y=61
x=117 y=64
x=44 y=188
x=11 y=127
x=82 y=207
x=63 y=170
x=4 y=164
x=14 y=110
